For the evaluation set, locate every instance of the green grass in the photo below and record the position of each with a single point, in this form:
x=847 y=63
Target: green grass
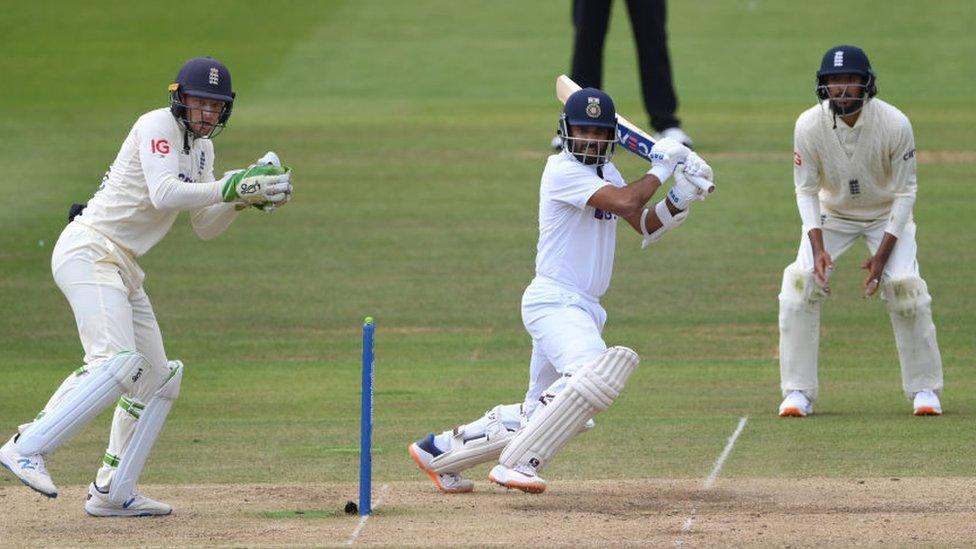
x=417 y=131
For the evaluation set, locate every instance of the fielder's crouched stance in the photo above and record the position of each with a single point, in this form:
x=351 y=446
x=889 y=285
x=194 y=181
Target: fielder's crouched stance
x=572 y=374
x=164 y=166
x=854 y=171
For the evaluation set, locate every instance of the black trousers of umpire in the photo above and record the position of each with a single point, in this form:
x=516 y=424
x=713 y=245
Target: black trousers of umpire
x=647 y=19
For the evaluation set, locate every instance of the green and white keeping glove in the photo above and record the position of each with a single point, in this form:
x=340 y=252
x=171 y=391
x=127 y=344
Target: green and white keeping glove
x=257 y=184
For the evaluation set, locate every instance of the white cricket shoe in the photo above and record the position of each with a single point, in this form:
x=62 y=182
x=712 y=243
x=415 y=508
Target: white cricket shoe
x=677 y=134
x=522 y=477
x=422 y=452
x=29 y=469
x=796 y=404
x=98 y=505
x=927 y=403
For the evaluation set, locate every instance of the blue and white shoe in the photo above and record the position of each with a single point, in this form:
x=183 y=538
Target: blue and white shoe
x=29 y=469
x=422 y=452
x=98 y=505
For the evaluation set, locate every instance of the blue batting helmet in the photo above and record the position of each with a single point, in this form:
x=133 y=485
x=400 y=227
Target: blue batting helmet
x=206 y=78
x=589 y=107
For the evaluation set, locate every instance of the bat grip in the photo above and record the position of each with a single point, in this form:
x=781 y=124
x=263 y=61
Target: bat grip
x=705 y=185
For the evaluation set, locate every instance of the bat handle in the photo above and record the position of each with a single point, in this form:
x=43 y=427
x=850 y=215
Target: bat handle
x=705 y=185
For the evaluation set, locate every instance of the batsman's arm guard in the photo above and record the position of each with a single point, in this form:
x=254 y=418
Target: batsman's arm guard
x=591 y=390
x=150 y=423
x=668 y=221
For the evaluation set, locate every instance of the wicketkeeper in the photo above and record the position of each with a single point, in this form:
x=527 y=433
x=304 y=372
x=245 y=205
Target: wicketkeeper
x=165 y=166
x=572 y=373
x=854 y=171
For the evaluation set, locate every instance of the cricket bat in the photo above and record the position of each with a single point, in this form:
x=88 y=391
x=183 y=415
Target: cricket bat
x=629 y=135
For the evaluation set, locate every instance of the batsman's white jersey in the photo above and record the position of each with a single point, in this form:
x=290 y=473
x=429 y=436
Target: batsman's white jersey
x=854 y=182
x=574 y=262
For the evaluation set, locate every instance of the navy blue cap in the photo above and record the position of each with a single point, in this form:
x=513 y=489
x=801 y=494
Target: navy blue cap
x=590 y=107
x=204 y=77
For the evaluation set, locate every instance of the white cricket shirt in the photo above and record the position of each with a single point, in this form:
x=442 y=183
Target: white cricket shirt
x=576 y=241
x=864 y=173
x=150 y=181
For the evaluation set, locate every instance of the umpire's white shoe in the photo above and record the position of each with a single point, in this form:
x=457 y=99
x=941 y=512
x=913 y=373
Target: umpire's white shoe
x=926 y=403
x=677 y=134
x=422 y=452
x=98 y=505
x=796 y=404
x=29 y=469
x=521 y=477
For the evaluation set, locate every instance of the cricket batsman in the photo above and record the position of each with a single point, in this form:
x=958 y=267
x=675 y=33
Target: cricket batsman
x=854 y=171
x=572 y=373
x=165 y=166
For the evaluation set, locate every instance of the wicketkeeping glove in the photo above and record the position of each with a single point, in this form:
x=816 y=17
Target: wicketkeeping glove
x=257 y=185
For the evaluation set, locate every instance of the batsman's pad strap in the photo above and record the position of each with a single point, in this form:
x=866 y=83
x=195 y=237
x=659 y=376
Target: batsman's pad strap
x=151 y=421
x=102 y=386
x=591 y=390
x=471 y=453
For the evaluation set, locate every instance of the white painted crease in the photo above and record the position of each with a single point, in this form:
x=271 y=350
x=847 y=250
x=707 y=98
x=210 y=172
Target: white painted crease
x=362 y=520
x=710 y=479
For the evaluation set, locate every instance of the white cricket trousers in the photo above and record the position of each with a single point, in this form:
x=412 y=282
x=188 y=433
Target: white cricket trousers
x=909 y=310
x=103 y=285
x=566 y=328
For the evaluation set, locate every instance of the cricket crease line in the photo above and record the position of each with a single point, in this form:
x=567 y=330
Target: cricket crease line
x=362 y=520
x=710 y=479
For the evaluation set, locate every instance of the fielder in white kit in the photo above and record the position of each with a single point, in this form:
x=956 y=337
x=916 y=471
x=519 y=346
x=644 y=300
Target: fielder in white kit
x=854 y=171
x=572 y=373
x=165 y=166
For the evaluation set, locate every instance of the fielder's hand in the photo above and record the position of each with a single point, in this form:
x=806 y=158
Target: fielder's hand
x=665 y=157
x=257 y=185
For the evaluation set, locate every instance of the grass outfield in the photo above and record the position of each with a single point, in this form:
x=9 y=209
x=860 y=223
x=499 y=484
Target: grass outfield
x=417 y=132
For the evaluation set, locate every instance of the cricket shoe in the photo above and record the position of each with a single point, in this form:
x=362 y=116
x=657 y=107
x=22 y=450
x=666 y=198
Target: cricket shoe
x=137 y=505
x=796 y=404
x=29 y=469
x=677 y=134
x=927 y=403
x=521 y=477
x=422 y=452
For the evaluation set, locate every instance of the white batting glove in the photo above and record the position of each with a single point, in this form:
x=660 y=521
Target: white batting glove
x=696 y=167
x=684 y=192
x=665 y=157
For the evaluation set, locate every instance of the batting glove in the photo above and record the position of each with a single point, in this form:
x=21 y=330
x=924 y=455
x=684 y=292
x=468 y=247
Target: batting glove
x=665 y=157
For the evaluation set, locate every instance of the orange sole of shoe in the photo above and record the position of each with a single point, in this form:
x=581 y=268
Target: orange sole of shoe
x=927 y=411
x=433 y=474
x=523 y=486
x=792 y=412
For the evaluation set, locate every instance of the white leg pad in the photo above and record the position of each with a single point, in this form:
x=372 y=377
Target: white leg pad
x=592 y=389
x=148 y=427
x=101 y=388
x=474 y=448
x=910 y=309
x=799 y=331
